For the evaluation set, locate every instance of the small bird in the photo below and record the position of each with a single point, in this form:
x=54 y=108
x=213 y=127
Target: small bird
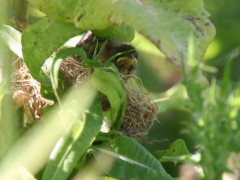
x=125 y=63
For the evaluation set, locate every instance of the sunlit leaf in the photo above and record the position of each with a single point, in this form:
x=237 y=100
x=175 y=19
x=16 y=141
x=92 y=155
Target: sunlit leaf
x=32 y=150
x=117 y=32
x=41 y=39
x=12 y=38
x=64 y=157
x=168 y=24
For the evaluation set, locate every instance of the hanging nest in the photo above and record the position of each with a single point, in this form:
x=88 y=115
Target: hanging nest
x=140 y=113
x=26 y=92
x=138 y=118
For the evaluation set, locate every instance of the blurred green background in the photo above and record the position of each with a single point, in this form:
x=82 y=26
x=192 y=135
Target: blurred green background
x=158 y=75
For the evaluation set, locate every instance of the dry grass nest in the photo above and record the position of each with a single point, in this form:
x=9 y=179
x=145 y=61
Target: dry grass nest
x=26 y=92
x=140 y=113
x=139 y=116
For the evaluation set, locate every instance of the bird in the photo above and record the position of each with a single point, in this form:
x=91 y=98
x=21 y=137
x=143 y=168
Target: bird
x=126 y=63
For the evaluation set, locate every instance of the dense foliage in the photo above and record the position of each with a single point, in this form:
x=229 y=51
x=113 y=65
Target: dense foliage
x=68 y=140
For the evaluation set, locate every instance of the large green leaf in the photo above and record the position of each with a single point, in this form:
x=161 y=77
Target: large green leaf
x=64 y=157
x=41 y=39
x=168 y=24
x=132 y=161
x=31 y=152
x=117 y=32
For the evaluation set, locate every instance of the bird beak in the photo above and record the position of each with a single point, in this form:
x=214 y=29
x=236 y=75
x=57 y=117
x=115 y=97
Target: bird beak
x=129 y=61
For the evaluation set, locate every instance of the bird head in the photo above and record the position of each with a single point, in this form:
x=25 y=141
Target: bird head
x=127 y=62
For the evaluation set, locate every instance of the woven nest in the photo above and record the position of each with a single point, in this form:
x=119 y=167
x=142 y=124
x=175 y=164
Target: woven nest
x=139 y=116
x=140 y=113
x=26 y=92
x=72 y=71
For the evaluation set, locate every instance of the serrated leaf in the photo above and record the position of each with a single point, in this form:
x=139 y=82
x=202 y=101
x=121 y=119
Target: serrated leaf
x=132 y=161
x=41 y=39
x=168 y=24
x=12 y=38
x=65 y=157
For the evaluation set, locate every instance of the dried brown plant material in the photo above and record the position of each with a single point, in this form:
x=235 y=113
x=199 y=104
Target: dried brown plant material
x=26 y=92
x=72 y=71
x=188 y=172
x=233 y=164
x=140 y=113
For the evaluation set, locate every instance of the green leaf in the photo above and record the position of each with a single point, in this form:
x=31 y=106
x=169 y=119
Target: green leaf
x=107 y=137
x=12 y=38
x=109 y=84
x=168 y=24
x=120 y=33
x=177 y=152
x=44 y=135
x=41 y=39
x=64 y=157
x=226 y=82
x=98 y=54
x=131 y=161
